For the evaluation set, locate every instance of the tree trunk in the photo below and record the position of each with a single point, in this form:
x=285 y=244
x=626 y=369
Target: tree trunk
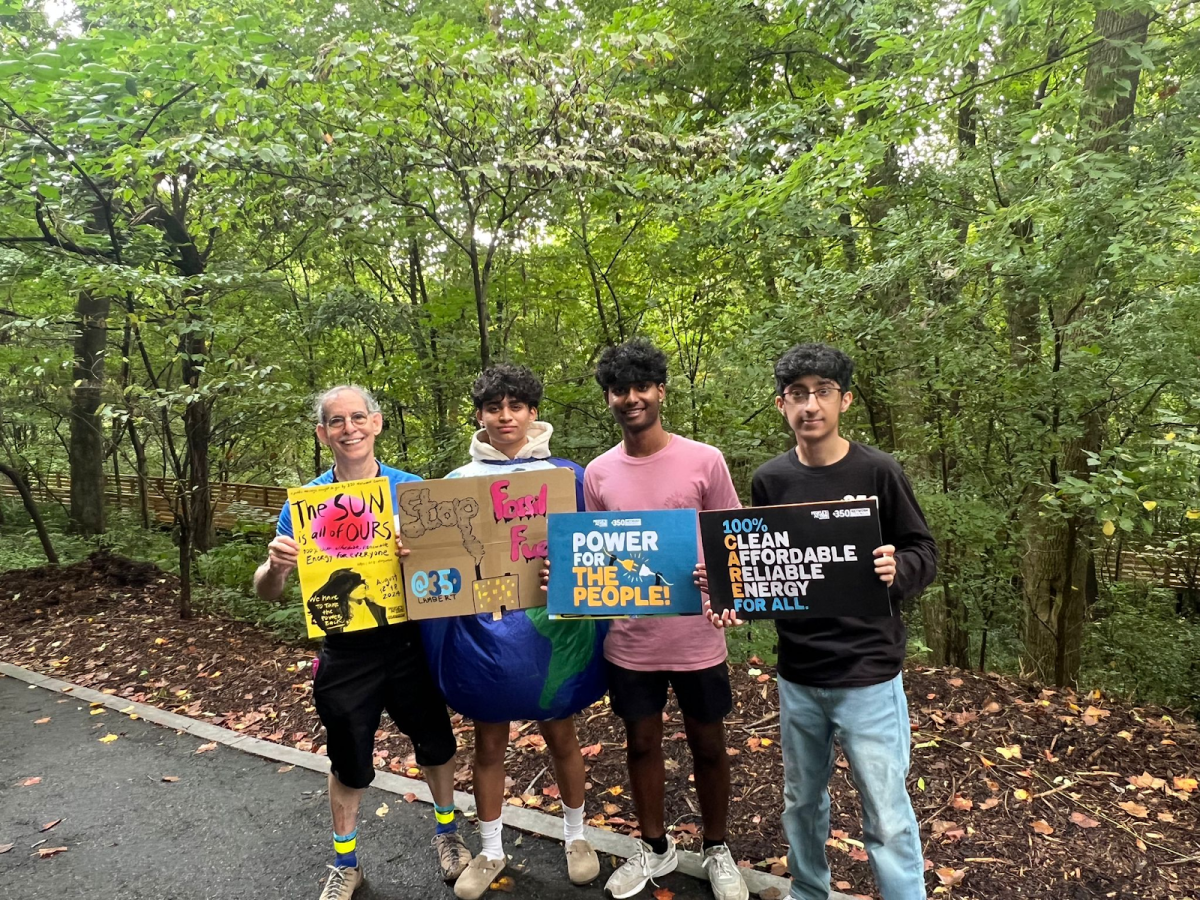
x=86 y=439
x=197 y=426
x=31 y=507
x=1109 y=67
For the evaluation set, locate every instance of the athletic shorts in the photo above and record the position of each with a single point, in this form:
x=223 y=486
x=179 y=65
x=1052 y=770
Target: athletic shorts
x=360 y=675
x=704 y=695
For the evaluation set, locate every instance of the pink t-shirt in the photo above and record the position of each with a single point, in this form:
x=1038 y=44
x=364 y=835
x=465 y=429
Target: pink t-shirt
x=683 y=475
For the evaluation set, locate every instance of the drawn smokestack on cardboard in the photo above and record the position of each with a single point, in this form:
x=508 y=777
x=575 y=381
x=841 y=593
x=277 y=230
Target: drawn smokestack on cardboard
x=478 y=543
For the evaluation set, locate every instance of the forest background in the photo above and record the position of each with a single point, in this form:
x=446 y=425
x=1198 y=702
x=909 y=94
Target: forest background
x=209 y=212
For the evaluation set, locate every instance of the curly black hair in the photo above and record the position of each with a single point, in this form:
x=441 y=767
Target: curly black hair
x=633 y=362
x=506 y=380
x=813 y=359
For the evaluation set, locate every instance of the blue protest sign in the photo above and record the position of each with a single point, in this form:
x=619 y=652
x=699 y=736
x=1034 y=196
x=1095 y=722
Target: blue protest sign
x=623 y=563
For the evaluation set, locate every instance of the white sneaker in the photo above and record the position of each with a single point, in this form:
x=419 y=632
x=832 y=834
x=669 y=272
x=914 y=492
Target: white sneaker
x=723 y=874
x=640 y=869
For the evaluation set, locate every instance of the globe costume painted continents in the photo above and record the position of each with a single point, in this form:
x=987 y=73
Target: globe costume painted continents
x=521 y=666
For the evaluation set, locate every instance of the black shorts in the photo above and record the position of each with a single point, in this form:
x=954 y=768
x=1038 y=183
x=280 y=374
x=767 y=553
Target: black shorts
x=704 y=695
x=363 y=673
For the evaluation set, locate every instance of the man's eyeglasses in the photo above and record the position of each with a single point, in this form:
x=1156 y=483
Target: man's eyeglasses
x=360 y=420
x=801 y=396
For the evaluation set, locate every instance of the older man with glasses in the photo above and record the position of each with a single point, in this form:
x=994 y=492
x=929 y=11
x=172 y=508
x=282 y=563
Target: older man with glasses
x=359 y=674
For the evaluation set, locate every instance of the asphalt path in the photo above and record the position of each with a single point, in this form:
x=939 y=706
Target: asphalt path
x=231 y=826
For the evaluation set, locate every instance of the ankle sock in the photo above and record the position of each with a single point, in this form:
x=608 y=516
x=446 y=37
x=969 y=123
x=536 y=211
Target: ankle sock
x=489 y=832
x=572 y=823
x=445 y=819
x=344 y=849
x=707 y=843
x=658 y=844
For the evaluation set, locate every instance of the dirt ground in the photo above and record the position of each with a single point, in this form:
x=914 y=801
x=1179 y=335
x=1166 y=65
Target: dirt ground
x=1021 y=791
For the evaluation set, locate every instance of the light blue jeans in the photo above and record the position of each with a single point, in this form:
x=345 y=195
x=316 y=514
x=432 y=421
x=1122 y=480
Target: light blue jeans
x=871 y=724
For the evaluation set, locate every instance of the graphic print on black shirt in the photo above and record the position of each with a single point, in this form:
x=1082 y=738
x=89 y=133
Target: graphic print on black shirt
x=846 y=651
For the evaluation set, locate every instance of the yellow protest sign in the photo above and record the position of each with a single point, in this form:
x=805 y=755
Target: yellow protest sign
x=349 y=569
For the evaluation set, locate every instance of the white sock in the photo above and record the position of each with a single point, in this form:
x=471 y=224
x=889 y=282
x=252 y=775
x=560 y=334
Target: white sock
x=493 y=847
x=572 y=823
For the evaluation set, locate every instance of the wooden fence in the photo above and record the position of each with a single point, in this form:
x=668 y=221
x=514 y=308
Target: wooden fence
x=232 y=502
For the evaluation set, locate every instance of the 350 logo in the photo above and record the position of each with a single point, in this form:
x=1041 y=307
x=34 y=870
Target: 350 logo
x=435 y=583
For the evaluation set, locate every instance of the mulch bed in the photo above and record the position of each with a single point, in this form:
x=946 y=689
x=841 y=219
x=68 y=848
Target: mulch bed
x=1021 y=791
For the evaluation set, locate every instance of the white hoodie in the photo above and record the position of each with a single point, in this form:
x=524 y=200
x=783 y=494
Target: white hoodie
x=487 y=460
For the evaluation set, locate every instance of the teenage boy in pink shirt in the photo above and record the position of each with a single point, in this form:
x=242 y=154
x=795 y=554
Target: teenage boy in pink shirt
x=653 y=469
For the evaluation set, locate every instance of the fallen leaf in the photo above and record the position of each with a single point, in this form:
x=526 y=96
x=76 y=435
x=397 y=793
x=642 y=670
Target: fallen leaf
x=1013 y=751
x=954 y=682
x=96 y=712
x=664 y=894
x=551 y=791
x=771 y=893
x=611 y=809
x=410 y=797
x=204 y=748
x=170 y=778
x=4 y=848
x=40 y=722
x=961 y=802
x=503 y=883
x=44 y=852
x=1146 y=780
x=1187 y=785
x=858 y=854
x=590 y=750
x=1136 y=810
x=989 y=803
x=1041 y=826
x=382 y=811
x=1083 y=821
x=29 y=782
x=1125 y=734
x=108 y=738
x=283 y=769
x=1166 y=817
x=1021 y=794
x=951 y=877
x=616 y=790
x=992 y=708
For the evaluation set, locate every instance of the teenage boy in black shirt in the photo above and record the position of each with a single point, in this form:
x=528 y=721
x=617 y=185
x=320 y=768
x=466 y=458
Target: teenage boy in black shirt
x=840 y=677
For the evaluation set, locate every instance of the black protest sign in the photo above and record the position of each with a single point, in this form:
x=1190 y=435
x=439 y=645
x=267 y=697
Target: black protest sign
x=796 y=561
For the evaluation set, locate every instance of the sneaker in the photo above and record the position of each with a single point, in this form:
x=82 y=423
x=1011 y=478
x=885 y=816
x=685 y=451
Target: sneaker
x=342 y=882
x=582 y=863
x=477 y=877
x=723 y=874
x=640 y=869
x=453 y=855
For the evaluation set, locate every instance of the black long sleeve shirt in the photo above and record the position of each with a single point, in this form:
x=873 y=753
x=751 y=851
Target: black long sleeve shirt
x=846 y=651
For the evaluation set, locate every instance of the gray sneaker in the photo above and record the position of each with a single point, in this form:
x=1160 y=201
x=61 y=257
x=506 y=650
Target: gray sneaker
x=723 y=875
x=453 y=855
x=342 y=882
x=640 y=869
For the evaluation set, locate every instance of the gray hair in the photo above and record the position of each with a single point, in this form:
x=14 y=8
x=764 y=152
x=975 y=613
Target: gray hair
x=325 y=396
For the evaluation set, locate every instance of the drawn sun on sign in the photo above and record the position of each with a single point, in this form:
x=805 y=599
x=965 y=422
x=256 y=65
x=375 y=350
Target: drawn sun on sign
x=637 y=568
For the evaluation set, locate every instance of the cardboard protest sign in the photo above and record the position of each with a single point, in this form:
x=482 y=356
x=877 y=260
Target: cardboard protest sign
x=478 y=543
x=783 y=562
x=349 y=569
x=623 y=564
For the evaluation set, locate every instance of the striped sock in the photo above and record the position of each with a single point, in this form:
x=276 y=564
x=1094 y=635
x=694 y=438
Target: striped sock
x=345 y=855
x=445 y=819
